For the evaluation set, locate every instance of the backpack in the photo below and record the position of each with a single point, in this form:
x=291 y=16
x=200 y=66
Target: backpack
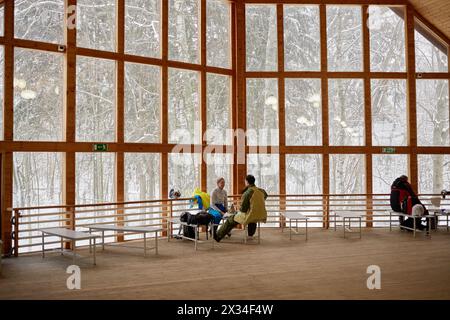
x=201 y=218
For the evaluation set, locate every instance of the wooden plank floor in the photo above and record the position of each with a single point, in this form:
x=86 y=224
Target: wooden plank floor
x=326 y=267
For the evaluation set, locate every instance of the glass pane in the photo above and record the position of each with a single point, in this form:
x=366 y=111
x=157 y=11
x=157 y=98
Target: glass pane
x=346 y=109
x=219 y=109
x=184 y=30
x=184 y=172
x=219 y=166
x=2 y=19
x=142 y=176
x=301 y=38
x=262 y=112
x=95 y=177
x=265 y=168
x=431 y=52
x=344 y=38
x=385 y=169
x=389 y=112
x=2 y=68
x=37 y=179
x=38 y=95
x=184 y=114
x=96 y=24
x=387 y=39
x=303 y=112
x=142 y=103
x=303 y=174
x=434 y=173
x=39 y=20
x=432 y=113
x=347 y=174
x=143 y=27
x=96 y=120
x=261 y=37
x=218 y=31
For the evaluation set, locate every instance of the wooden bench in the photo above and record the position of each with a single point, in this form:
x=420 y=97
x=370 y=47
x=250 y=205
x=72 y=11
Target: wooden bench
x=296 y=217
x=348 y=215
x=130 y=229
x=71 y=235
x=414 y=228
x=196 y=240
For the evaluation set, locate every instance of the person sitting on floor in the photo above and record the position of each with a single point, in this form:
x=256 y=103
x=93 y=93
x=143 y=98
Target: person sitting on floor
x=253 y=210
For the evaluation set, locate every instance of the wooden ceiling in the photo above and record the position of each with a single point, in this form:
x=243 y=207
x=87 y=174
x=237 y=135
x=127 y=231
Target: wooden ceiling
x=437 y=12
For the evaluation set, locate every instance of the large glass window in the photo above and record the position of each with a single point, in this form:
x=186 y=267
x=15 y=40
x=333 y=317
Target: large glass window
x=262 y=112
x=38 y=95
x=434 y=172
x=389 y=112
x=218 y=40
x=261 y=37
x=303 y=112
x=96 y=24
x=39 y=20
x=95 y=114
x=301 y=38
x=143 y=27
x=37 y=179
x=385 y=169
x=265 y=168
x=184 y=30
x=219 y=165
x=142 y=176
x=346 y=109
x=184 y=114
x=219 y=109
x=432 y=113
x=184 y=172
x=431 y=52
x=95 y=177
x=344 y=38
x=347 y=174
x=387 y=39
x=303 y=174
x=142 y=103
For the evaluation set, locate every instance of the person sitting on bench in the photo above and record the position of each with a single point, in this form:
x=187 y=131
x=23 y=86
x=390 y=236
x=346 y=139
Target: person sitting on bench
x=253 y=210
x=403 y=199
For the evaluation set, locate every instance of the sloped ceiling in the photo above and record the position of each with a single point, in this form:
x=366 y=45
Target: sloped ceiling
x=437 y=12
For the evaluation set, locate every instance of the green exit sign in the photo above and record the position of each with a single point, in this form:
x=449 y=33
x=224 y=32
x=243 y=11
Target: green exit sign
x=389 y=150
x=100 y=147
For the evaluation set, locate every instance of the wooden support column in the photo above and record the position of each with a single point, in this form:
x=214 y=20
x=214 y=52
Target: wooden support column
x=281 y=111
x=240 y=168
x=411 y=96
x=203 y=97
x=8 y=123
x=367 y=113
x=325 y=131
x=164 y=169
x=233 y=95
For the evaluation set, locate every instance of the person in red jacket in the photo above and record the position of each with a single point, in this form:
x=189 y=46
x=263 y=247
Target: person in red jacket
x=402 y=199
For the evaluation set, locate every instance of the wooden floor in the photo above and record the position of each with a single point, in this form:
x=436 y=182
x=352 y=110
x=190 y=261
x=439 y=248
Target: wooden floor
x=326 y=267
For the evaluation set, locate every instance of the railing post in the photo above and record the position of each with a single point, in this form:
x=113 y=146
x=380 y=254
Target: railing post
x=326 y=218
x=16 y=232
x=282 y=208
x=369 y=207
x=120 y=222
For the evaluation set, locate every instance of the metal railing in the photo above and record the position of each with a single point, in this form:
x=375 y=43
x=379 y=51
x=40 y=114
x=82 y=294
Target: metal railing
x=27 y=221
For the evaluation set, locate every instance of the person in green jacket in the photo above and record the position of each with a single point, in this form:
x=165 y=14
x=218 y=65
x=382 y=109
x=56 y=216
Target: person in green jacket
x=252 y=210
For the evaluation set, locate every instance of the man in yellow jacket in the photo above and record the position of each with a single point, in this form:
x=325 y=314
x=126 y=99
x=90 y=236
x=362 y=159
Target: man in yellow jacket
x=253 y=209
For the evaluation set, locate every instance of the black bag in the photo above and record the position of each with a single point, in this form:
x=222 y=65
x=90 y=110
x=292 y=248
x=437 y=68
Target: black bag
x=201 y=218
